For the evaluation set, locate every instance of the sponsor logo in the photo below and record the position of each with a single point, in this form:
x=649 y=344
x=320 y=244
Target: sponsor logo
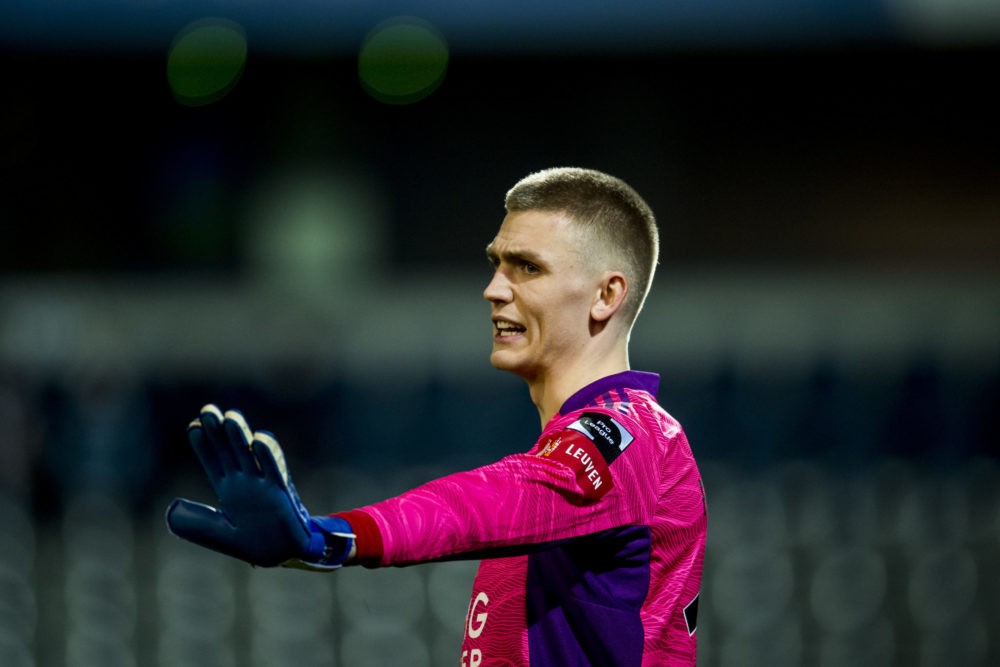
x=477 y=619
x=582 y=455
x=473 y=657
x=605 y=431
x=588 y=465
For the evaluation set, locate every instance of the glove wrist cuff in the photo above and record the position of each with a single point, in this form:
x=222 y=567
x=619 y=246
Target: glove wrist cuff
x=330 y=541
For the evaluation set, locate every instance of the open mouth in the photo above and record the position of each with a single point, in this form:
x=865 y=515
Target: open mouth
x=504 y=328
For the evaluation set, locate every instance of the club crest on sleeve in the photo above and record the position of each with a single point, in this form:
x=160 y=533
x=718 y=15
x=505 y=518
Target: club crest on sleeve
x=582 y=456
x=550 y=446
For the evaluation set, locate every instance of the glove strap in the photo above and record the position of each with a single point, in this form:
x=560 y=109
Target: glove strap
x=330 y=542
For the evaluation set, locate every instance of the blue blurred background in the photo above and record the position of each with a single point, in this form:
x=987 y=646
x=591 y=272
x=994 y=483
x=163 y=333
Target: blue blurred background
x=283 y=208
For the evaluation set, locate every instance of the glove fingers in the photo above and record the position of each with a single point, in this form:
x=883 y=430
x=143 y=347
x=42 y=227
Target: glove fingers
x=201 y=524
x=270 y=458
x=274 y=469
x=202 y=446
x=215 y=442
x=237 y=445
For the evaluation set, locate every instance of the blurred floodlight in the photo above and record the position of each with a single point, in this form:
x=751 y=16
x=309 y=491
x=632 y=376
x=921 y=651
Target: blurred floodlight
x=402 y=60
x=206 y=60
x=947 y=21
x=314 y=227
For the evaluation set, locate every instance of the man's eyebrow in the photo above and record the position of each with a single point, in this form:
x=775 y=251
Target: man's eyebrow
x=513 y=255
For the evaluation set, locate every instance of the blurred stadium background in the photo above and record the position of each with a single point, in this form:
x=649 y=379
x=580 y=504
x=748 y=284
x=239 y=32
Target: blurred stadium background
x=282 y=207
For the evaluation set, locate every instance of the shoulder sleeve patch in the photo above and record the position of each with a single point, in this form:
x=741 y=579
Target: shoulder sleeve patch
x=579 y=452
x=606 y=432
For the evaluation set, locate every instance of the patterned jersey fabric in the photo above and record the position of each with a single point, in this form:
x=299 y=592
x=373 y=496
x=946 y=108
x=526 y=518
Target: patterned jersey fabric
x=591 y=542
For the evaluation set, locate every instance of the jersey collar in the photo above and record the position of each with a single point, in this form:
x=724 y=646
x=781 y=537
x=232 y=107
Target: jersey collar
x=641 y=380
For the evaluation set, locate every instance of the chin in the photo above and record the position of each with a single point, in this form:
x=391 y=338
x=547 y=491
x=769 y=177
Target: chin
x=499 y=361
x=511 y=364
x=504 y=361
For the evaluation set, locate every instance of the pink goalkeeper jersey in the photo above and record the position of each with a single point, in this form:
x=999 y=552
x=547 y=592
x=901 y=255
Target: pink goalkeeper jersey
x=591 y=543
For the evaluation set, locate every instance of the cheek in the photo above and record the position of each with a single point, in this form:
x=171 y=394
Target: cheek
x=558 y=314
x=565 y=322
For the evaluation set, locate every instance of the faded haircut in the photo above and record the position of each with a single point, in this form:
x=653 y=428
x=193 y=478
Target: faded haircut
x=615 y=217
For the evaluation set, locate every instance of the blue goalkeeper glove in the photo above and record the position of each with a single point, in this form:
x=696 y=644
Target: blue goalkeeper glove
x=260 y=518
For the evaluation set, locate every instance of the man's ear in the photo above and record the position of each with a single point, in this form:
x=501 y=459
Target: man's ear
x=610 y=297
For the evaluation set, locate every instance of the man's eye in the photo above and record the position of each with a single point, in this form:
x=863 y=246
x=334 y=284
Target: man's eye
x=530 y=268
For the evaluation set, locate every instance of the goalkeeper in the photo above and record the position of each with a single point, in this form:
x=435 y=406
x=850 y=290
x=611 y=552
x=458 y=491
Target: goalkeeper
x=592 y=541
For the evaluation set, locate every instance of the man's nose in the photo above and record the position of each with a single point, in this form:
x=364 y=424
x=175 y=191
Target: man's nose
x=498 y=290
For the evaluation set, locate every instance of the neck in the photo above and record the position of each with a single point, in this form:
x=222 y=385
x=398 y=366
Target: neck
x=550 y=390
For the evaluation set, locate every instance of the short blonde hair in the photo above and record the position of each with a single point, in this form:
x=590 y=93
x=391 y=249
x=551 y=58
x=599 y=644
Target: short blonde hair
x=617 y=219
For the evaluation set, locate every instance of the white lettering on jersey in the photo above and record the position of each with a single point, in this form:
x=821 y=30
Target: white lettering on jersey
x=593 y=427
x=589 y=468
x=477 y=621
x=472 y=658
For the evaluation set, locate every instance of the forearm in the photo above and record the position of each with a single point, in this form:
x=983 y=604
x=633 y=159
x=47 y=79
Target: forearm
x=521 y=500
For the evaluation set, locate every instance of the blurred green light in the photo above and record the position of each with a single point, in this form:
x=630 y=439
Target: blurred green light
x=402 y=60
x=206 y=60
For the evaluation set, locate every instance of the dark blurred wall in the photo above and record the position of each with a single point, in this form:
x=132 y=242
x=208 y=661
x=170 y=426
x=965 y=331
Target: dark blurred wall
x=825 y=319
x=844 y=157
